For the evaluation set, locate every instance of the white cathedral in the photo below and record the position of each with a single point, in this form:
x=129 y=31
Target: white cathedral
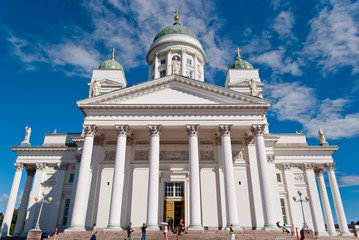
x=174 y=146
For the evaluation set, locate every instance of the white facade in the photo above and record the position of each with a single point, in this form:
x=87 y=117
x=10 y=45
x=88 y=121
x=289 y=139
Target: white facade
x=175 y=142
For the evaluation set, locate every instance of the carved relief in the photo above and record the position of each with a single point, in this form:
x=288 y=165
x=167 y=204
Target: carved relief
x=141 y=155
x=207 y=155
x=298 y=177
x=192 y=129
x=122 y=129
x=225 y=129
x=89 y=130
x=19 y=166
x=257 y=129
x=110 y=155
x=174 y=155
x=155 y=129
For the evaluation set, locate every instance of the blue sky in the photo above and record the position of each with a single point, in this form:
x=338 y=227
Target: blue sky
x=307 y=53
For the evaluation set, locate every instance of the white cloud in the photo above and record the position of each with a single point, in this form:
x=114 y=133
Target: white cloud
x=283 y=23
x=334 y=38
x=295 y=102
x=348 y=181
x=3 y=202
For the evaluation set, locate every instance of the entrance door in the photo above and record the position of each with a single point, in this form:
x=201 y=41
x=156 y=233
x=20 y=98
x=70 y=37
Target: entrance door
x=175 y=210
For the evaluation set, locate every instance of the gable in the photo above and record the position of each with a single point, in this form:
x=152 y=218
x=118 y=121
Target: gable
x=174 y=90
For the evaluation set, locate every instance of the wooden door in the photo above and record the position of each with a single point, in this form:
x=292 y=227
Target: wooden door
x=169 y=211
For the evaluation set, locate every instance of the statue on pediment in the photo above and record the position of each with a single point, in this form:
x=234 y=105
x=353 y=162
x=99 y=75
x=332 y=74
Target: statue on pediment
x=175 y=65
x=322 y=137
x=253 y=87
x=95 y=88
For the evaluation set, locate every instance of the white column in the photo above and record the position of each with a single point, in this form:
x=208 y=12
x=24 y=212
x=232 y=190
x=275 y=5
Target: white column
x=202 y=67
x=168 y=60
x=325 y=202
x=195 y=67
x=231 y=199
x=194 y=185
x=56 y=195
x=5 y=227
x=269 y=216
x=338 y=205
x=82 y=193
x=183 y=56
x=74 y=186
x=314 y=202
x=118 y=179
x=153 y=177
x=156 y=67
x=24 y=201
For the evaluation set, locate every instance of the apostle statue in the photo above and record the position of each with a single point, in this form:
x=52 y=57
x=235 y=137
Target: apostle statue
x=322 y=140
x=175 y=65
x=95 y=89
x=254 y=89
x=27 y=136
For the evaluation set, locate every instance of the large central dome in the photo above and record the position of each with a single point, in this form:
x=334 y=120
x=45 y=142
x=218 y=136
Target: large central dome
x=176 y=28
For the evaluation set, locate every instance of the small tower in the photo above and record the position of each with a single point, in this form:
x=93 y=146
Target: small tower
x=176 y=50
x=242 y=77
x=109 y=76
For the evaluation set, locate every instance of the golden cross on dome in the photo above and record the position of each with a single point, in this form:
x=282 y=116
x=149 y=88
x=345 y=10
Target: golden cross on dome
x=239 y=55
x=176 y=17
x=113 y=50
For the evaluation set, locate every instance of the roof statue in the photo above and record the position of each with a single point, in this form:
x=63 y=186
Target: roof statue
x=95 y=89
x=26 y=141
x=322 y=140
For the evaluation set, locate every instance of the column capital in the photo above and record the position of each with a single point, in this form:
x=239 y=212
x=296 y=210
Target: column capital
x=122 y=129
x=155 y=130
x=89 y=129
x=287 y=166
x=270 y=158
x=248 y=139
x=308 y=166
x=257 y=129
x=192 y=129
x=61 y=166
x=19 y=167
x=40 y=166
x=319 y=171
x=225 y=130
x=168 y=50
x=183 y=50
x=329 y=166
x=30 y=171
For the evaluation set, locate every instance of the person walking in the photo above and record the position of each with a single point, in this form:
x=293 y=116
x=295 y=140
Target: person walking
x=93 y=233
x=143 y=228
x=129 y=231
x=231 y=231
x=164 y=227
x=180 y=227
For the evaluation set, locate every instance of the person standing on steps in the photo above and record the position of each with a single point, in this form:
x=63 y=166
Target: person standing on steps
x=164 y=227
x=129 y=231
x=93 y=233
x=170 y=224
x=143 y=228
x=231 y=231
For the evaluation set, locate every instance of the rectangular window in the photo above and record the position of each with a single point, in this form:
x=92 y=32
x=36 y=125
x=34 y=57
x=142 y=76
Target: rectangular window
x=66 y=212
x=284 y=214
x=162 y=73
x=189 y=73
x=71 y=179
x=189 y=61
x=163 y=61
x=174 y=189
x=279 y=178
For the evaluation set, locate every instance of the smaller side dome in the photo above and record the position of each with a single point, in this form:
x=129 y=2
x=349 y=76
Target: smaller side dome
x=240 y=64
x=111 y=64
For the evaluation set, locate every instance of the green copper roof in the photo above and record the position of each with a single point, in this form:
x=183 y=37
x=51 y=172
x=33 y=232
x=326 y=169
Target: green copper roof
x=110 y=64
x=240 y=64
x=176 y=28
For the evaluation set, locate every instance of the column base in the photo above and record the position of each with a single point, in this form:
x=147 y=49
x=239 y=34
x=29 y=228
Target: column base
x=323 y=234
x=332 y=234
x=152 y=227
x=195 y=227
x=75 y=228
x=113 y=228
x=346 y=234
x=235 y=227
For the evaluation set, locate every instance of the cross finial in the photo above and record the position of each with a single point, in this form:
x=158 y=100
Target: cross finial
x=176 y=17
x=239 y=55
x=113 y=50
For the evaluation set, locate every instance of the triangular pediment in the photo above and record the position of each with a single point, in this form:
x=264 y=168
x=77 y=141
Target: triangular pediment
x=174 y=90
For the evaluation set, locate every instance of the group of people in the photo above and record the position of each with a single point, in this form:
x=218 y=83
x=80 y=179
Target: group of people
x=284 y=228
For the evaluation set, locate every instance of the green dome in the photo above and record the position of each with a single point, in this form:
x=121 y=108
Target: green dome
x=240 y=64
x=110 y=64
x=176 y=28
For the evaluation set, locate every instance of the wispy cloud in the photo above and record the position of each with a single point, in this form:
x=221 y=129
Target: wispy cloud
x=348 y=181
x=283 y=23
x=3 y=201
x=296 y=102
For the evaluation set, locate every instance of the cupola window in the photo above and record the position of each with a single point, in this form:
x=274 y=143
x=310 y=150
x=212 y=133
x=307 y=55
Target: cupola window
x=189 y=61
x=162 y=73
x=163 y=61
x=189 y=73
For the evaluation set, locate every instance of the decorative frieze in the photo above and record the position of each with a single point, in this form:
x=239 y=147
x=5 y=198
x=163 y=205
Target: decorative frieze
x=207 y=155
x=89 y=130
x=155 y=130
x=19 y=166
x=141 y=155
x=122 y=129
x=174 y=155
x=110 y=155
x=257 y=129
x=299 y=177
x=225 y=129
x=192 y=129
